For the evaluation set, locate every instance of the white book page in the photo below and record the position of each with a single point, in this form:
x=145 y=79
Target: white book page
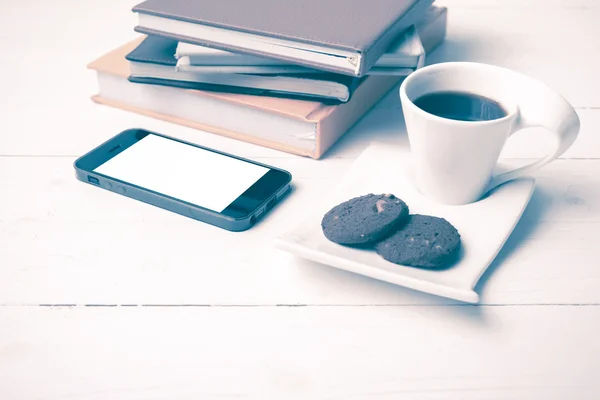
x=318 y=54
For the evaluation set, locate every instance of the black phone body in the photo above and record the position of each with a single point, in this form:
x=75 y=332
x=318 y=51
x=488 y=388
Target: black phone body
x=201 y=183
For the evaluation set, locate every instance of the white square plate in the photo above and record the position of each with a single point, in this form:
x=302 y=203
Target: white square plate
x=484 y=226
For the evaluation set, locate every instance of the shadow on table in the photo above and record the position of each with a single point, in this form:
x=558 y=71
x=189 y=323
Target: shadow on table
x=385 y=122
x=348 y=289
x=381 y=125
x=527 y=225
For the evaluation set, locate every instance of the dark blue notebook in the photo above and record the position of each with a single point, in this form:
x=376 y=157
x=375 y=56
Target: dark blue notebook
x=153 y=62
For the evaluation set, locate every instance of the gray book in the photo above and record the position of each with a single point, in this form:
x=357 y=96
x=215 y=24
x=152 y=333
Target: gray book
x=331 y=35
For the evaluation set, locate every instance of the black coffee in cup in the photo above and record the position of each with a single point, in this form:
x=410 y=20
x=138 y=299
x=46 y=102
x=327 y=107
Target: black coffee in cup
x=462 y=106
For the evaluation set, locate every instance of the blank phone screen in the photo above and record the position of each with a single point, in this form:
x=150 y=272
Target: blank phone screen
x=184 y=172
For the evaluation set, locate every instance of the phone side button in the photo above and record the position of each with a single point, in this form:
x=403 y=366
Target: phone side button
x=121 y=189
x=107 y=185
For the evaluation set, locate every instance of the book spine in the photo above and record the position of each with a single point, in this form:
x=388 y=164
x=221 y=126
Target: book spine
x=380 y=46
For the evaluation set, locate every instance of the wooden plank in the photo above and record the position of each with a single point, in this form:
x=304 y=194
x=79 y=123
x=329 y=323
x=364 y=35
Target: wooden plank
x=534 y=353
x=62 y=241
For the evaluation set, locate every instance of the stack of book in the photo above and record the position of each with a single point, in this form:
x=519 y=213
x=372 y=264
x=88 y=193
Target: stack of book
x=292 y=76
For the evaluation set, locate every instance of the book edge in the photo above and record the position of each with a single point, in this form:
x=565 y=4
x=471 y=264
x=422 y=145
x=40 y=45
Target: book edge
x=97 y=98
x=99 y=64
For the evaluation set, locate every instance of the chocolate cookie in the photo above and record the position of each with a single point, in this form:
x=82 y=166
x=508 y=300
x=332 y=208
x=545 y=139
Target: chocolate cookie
x=365 y=219
x=423 y=241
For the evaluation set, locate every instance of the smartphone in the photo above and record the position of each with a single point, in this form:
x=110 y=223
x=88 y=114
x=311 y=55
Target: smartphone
x=201 y=183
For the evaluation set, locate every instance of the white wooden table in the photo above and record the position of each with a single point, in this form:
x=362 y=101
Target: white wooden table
x=103 y=297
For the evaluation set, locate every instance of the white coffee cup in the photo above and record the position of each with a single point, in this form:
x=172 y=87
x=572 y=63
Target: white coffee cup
x=454 y=160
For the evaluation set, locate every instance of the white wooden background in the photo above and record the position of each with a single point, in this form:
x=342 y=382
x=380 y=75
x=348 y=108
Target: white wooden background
x=102 y=297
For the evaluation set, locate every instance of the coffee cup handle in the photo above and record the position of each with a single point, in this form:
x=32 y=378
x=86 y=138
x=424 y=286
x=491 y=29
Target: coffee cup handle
x=540 y=106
